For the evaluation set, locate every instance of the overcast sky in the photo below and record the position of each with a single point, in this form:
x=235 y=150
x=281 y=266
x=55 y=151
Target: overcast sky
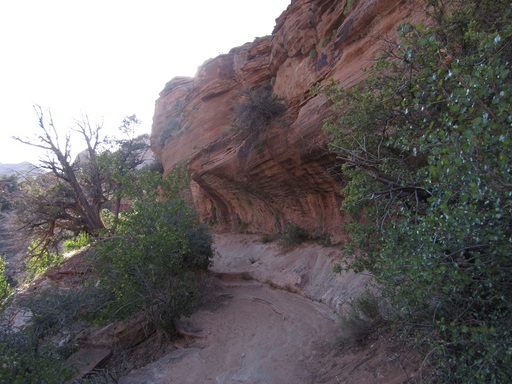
x=109 y=58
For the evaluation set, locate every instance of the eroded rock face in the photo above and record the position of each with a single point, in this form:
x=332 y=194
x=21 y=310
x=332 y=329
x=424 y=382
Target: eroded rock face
x=283 y=174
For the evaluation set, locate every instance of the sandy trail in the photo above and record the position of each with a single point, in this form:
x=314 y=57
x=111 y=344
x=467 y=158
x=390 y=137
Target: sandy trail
x=252 y=333
x=255 y=335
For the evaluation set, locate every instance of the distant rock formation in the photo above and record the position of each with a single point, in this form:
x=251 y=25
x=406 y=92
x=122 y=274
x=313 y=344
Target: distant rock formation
x=283 y=174
x=21 y=169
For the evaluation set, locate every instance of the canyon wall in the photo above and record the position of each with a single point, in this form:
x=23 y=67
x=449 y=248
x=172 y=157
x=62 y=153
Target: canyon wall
x=283 y=174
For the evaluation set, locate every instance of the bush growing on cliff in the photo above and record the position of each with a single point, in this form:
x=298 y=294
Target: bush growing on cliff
x=426 y=142
x=294 y=235
x=171 y=128
x=256 y=108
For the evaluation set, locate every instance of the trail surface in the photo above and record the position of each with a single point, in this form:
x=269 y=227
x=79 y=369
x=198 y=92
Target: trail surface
x=255 y=335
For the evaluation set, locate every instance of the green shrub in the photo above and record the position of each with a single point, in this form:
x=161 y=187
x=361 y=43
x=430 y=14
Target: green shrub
x=150 y=264
x=256 y=108
x=55 y=309
x=10 y=185
x=171 y=129
x=5 y=289
x=348 y=6
x=324 y=41
x=267 y=238
x=77 y=242
x=295 y=235
x=26 y=354
x=426 y=144
x=40 y=259
x=30 y=354
x=24 y=361
x=362 y=318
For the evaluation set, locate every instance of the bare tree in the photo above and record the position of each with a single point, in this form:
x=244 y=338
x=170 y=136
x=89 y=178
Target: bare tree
x=69 y=197
x=84 y=204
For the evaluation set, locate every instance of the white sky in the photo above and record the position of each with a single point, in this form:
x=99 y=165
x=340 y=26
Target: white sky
x=109 y=58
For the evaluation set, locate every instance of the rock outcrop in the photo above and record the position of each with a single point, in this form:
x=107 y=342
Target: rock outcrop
x=283 y=174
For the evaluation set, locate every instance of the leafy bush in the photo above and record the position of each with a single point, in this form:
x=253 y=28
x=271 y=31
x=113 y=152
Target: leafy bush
x=10 y=185
x=363 y=316
x=295 y=235
x=24 y=361
x=40 y=259
x=256 y=108
x=55 y=309
x=267 y=238
x=426 y=142
x=26 y=354
x=172 y=126
x=77 y=242
x=150 y=263
x=5 y=289
x=31 y=354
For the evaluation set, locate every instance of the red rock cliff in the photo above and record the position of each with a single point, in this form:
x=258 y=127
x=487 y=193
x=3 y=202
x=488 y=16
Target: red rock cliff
x=282 y=174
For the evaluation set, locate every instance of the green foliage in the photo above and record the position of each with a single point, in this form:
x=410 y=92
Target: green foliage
x=174 y=124
x=150 y=263
x=348 y=6
x=40 y=259
x=256 y=108
x=363 y=317
x=109 y=218
x=69 y=196
x=9 y=185
x=54 y=310
x=26 y=354
x=33 y=353
x=426 y=142
x=267 y=238
x=24 y=361
x=5 y=289
x=294 y=235
x=77 y=242
x=118 y=167
x=45 y=210
x=172 y=127
x=324 y=41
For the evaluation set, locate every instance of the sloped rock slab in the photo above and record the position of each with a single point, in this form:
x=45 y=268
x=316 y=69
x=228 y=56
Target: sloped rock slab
x=118 y=335
x=85 y=360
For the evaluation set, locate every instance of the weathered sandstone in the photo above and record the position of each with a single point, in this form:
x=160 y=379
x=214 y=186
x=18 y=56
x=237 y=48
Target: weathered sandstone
x=283 y=174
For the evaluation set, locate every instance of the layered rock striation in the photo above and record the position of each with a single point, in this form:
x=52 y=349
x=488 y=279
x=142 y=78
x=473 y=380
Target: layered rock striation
x=281 y=174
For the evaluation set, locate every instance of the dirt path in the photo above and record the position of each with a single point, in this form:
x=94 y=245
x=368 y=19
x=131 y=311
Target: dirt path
x=255 y=335
x=252 y=333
